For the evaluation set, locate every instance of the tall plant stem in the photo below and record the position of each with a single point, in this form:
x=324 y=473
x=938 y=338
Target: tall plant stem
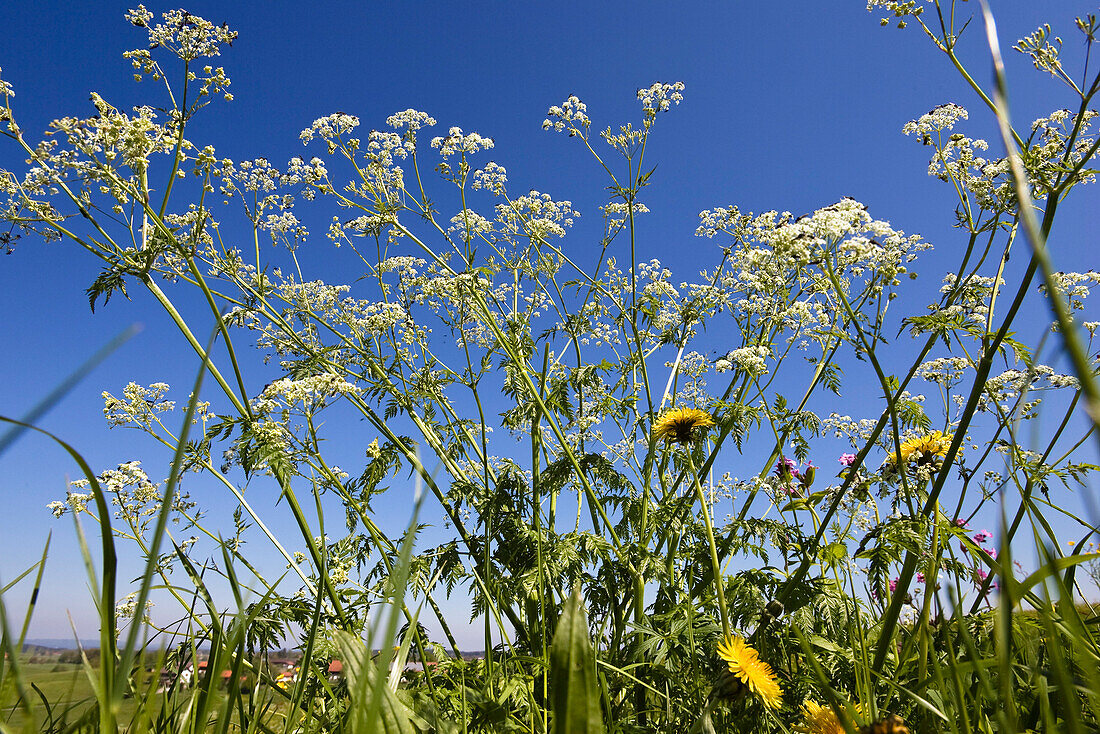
x=719 y=591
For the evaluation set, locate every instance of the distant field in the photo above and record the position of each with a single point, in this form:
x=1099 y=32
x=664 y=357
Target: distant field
x=62 y=691
x=64 y=686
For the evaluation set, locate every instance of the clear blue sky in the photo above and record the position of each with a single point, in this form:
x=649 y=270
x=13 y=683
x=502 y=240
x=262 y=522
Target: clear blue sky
x=788 y=106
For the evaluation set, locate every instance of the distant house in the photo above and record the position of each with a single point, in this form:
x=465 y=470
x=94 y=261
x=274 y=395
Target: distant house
x=225 y=677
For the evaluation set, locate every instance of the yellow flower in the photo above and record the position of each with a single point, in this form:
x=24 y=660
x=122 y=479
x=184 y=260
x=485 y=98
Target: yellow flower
x=926 y=449
x=890 y=725
x=745 y=664
x=818 y=719
x=681 y=425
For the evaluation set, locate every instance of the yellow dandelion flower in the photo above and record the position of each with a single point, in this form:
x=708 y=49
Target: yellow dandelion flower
x=818 y=719
x=890 y=725
x=925 y=448
x=745 y=664
x=681 y=425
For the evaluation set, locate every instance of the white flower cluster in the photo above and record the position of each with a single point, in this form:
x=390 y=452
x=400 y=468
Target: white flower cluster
x=309 y=391
x=300 y=172
x=126 y=608
x=616 y=212
x=946 y=371
x=492 y=178
x=406 y=266
x=1048 y=157
x=469 y=224
x=1012 y=384
x=660 y=98
x=284 y=223
x=1074 y=287
x=6 y=89
x=750 y=360
x=130 y=477
x=272 y=212
x=188 y=36
x=571 y=114
x=844 y=426
x=383 y=146
x=384 y=178
x=370 y=319
x=901 y=9
x=330 y=127
x=256 y=175
x=138 y=405
x=457 y=142
x=724 y=219
x=692 y=383
x=188 y=231
x=936 y=120
x=314 y=296
x=967 y=301
x=114 y=138
x=664 y=297
x=787 y=271
x=599 y=327
x=536 y=215
x=444 y=290
x=956 y=160
x=1063 y=381
x=74 y=502
x=410 y=120
x=137 y=497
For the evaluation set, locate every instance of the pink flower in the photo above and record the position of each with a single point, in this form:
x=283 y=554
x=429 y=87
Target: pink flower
x=961 y=523
x=920 y=577
x=893 y=585
x=982 y=576
x=981 y=536
x=847 y=459
x=786 y=467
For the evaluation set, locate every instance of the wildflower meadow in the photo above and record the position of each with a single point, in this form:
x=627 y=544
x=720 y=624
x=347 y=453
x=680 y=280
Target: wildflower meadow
x=465 y=471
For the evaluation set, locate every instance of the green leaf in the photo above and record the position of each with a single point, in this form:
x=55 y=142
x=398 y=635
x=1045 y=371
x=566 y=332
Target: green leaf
x=110 y=280
x=575 y=690
x=834 y=553
x=375 y=707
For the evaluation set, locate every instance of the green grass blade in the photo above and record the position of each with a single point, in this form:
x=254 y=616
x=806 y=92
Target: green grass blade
x=574 y=689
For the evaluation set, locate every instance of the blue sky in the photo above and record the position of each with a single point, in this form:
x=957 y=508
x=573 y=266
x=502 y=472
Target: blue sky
x=788 y=106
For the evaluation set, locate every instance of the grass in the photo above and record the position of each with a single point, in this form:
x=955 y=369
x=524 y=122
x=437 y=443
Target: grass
x=603 y=575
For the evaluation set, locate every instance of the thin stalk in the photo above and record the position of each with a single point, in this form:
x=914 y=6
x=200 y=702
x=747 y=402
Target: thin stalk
x=716 y=567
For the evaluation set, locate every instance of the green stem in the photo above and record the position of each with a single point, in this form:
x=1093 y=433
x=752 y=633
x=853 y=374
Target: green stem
x=715 y=566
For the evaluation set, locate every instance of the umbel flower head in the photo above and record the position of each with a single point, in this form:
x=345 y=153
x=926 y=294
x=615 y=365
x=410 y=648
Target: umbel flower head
x=682 y=425
x=923 y=450
x=748 y=671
